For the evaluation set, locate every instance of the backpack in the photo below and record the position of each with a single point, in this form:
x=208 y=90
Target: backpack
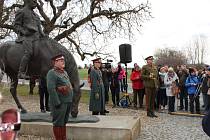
x=123 y=103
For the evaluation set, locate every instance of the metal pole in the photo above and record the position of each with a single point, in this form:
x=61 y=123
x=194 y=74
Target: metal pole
x=126 y=79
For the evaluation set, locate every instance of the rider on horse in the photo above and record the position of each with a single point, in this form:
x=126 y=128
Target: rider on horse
x=28 y=28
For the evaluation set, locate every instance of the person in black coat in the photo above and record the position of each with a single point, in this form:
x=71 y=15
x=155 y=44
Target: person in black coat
x=115 y=87
x=44 y=95
x=206 y=123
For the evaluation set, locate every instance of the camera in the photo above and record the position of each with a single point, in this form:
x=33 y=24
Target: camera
x=109 y=60
x=107 y=64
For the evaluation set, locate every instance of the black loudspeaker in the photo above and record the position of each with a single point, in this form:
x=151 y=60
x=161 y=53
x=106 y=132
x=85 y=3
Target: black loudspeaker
x=125 y=53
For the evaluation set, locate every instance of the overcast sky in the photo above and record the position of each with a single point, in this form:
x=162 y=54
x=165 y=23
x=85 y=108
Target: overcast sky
x=174 y=24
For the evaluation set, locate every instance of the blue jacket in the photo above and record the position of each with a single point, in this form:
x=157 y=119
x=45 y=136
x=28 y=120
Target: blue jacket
x=191 y=84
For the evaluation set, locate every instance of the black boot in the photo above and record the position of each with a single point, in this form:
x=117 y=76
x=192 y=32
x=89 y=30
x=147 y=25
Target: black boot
x=153 y=114
x=106 y=111
x=95 y=113
x=48 y=109
x=149 y=114
x=102 y=113
x=43 y=111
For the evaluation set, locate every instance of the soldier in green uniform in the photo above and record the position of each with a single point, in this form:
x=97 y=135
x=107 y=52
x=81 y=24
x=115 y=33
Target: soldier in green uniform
x=97 y=96
x=150 y=80
x=60 y=96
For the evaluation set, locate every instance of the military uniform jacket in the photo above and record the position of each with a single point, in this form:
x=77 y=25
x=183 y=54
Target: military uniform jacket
x=55 y=80
x=150 y=82
x=97 y=89
x=27 y=25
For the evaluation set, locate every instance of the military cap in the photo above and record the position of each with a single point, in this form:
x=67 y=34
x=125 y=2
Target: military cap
x=149 y=57
x=96 y=60
x=57 y=57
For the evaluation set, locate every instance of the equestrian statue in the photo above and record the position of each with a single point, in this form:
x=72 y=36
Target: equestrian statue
x=30 y=54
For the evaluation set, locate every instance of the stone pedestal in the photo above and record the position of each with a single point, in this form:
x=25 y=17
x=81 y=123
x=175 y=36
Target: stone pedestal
x=108 y=128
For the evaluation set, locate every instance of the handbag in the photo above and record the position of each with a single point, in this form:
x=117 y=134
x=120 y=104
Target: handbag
x=175 y=89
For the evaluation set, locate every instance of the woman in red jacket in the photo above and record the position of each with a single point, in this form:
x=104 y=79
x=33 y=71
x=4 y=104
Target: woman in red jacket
x=138 y=87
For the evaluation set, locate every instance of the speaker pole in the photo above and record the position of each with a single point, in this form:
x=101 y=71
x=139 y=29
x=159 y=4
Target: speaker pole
x=126 y=78
x=126 y=81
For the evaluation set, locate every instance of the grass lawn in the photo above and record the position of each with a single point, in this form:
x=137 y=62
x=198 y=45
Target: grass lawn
x=83 y=74
x=23 y=90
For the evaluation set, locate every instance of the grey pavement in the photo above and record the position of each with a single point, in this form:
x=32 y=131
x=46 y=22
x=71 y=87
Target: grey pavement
x=171 y=127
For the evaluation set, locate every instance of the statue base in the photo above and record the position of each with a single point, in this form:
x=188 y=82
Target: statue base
x=108 y=128
x=46 y=117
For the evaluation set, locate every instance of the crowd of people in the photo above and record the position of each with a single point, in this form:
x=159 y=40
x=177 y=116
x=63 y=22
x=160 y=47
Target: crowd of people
x=162 y=85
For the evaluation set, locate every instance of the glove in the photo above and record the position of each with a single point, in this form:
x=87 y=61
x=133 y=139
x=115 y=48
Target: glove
x=97 y=95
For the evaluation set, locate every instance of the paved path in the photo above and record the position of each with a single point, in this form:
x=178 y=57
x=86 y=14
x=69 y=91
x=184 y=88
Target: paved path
x=171 y=127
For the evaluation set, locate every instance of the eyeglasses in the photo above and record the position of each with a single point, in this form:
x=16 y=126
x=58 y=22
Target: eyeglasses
x=10 y=127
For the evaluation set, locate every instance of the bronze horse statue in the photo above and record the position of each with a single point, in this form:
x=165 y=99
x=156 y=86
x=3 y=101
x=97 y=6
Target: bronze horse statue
x=10 y=57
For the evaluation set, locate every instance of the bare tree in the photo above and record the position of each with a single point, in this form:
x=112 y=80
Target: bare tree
x=85 y=26
x=171 y=57
x=197 y=49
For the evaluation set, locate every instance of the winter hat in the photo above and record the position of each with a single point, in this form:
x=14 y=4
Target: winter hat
x=191 y=70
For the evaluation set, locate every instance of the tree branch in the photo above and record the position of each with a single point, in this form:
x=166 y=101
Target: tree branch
x=105 y=13
x=77 y=48
x=6 y=26
x=60 y=10
x=46 y=22
x=1 y=9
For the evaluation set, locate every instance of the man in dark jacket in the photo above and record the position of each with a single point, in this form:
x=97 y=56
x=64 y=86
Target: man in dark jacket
x=206 y=124
x=60 y=93
x=43 y=95
x=183 y=90
x=204 y=90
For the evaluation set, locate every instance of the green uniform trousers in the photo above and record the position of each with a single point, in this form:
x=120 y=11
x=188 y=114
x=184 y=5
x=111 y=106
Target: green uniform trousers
x=60 y=115
x=150 y=98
